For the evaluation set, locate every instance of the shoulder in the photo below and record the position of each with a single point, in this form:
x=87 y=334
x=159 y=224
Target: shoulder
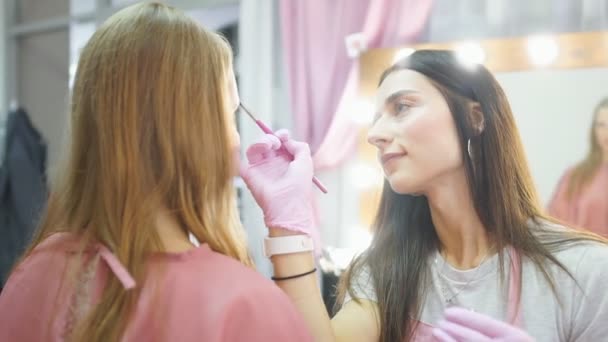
x=205 y=274
x=262 y=313
x=583 y=257
x=583 y=291
x=204 y=264
x=572 y=168
x=249 y=307
x=49 y=251
x=567 y=174
x=59 y=241
x=587 y=260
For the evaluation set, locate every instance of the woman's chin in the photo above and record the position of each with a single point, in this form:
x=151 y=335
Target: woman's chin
x=403 y=187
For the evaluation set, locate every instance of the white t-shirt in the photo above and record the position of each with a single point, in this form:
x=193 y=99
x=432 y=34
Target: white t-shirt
x=583 y=315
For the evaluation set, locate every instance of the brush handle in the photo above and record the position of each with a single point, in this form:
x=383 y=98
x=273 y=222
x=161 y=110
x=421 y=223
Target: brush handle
x=267 y=130
x=263 y=126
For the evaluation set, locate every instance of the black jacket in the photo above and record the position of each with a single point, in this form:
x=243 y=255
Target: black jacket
x=23 y=190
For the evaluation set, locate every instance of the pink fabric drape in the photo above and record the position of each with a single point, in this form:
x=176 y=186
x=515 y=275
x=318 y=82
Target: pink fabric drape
x=323 y=79
x=313 y=34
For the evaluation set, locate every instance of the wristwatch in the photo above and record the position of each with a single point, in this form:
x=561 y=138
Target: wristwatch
x=287 y=245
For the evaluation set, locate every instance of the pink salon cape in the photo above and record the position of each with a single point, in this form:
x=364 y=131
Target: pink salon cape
x=198 y=295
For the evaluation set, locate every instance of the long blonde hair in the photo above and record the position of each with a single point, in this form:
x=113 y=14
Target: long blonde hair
x=149 y=132
x=583 y=173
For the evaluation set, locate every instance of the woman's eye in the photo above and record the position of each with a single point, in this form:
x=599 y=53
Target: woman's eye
x=401 y=107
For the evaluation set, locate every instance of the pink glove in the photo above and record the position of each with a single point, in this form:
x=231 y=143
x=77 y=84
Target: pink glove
x=462 y=325
x=282 y=186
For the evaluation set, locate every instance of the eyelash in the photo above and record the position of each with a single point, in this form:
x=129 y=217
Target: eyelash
x=399 y=107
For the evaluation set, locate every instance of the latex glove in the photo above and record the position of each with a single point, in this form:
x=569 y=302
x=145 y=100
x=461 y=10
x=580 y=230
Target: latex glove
x=462 y=325
x=281 y=185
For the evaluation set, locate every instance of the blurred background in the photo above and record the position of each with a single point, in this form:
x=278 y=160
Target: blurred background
x=312 y=66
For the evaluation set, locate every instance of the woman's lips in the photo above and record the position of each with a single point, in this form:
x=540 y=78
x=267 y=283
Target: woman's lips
x=387 y=157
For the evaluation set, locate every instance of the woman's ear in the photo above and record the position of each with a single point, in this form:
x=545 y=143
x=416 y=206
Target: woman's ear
x=476 y=118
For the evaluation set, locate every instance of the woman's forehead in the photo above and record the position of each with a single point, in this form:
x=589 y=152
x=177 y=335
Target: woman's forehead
x=405 y=80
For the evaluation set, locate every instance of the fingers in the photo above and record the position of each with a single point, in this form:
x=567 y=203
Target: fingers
x=297 y=149
x=300 y=156
x=266 y=146
x=262 y=148
x=442 y=336
x=284 y=138
x=283 y=135
x=476 y=321
x=462 y=333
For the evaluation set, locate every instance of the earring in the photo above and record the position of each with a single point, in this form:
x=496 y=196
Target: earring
x=469 y=149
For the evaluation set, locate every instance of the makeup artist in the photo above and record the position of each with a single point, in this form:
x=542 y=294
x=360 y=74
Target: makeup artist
x=462 y=250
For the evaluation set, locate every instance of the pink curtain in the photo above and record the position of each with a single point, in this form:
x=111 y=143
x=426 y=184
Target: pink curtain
x=323 y=79
x=313 y=34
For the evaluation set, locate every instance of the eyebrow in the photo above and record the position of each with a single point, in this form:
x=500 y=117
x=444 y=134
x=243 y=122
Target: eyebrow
x=392 y=97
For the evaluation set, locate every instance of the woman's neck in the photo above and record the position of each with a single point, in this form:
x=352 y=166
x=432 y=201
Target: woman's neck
x=463 y=238
x=174 y=238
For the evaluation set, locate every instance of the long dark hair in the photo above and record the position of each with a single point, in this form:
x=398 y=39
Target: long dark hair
x=585 y=170
x=500 y=184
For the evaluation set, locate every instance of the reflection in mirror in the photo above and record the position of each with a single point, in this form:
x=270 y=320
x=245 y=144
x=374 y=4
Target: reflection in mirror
x=581 y=196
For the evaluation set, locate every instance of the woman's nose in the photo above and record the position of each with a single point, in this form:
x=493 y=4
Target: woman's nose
x=378 y=136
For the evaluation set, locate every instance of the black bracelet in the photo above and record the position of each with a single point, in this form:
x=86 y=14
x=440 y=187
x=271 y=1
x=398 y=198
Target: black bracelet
x=294 y=276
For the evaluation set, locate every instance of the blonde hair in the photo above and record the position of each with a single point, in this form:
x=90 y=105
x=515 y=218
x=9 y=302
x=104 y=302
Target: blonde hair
x=149 y=131
x=583 y=173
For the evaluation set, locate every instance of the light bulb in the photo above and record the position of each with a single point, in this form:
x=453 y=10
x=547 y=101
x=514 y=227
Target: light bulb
x=542 y=50
x=402 y=53
x=470 y=54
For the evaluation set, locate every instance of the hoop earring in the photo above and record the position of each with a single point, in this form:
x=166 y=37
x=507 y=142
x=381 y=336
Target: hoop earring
x=469 y=149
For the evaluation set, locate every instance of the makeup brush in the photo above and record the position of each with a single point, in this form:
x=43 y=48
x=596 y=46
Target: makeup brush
x=267 y=130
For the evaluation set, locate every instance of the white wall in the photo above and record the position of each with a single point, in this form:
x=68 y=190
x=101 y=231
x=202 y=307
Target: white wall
x=42 y=74
x=553 y=110
x=2 y=61
x=43 y=87
x=3 y=78
x=257 y=65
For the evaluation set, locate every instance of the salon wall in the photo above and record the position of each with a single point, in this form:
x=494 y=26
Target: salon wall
x=43 y=74
x=263 y=89
x=553 y=110
x=43 y=71
x=3 y=43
